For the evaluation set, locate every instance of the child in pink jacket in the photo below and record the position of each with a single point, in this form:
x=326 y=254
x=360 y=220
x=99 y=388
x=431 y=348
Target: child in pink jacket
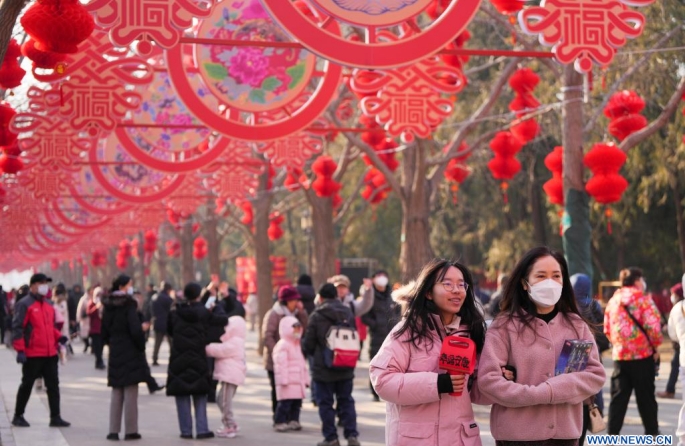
x=405 y=372
x=290 y=370
x=230 y=370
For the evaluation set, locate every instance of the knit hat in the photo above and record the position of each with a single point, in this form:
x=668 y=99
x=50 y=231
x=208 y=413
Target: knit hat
x=581 y=288
x=287 y=293
x=677 y=289
x=328 y=291
x=339 y=280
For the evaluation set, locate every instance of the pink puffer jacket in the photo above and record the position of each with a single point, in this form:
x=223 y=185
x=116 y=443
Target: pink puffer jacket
x=407 y=378
x=290 y=368
x=230 y=366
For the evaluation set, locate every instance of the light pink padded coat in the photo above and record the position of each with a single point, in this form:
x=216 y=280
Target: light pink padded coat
x=230 y=366
x=406 y=377
x=539 y=405
x=290 y=367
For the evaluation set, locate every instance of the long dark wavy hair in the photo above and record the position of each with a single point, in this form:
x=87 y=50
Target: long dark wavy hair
x=516 y=302
x=418 y=321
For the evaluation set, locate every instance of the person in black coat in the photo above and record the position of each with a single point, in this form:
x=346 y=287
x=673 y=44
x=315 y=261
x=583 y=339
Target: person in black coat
x=122 y=331
x=161 y=305
x=188 y=373
x=379 y=318
x=307 y=292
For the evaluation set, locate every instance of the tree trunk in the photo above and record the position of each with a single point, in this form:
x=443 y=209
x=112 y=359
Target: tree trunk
x=211 y=225
x=415 y=248
x=187 y=264
x=577 y=232
x=9 y=11
x=680 y=225
x=261 y=208
x=323 y=233
x=293 y=245
x=539 y=233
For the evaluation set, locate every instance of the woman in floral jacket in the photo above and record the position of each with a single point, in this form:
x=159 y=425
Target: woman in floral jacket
x=633 y=325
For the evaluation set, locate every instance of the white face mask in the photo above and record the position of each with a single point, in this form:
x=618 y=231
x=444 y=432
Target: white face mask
x=546 y=293
x=43 y=289
x=297 y=335
x=380 y=281
x=129 y=291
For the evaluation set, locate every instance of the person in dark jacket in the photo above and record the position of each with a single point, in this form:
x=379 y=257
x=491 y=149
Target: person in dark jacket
x=3 y=314
x=35 y=338
x=122 y=332
x=331 y=382
x=379 y=318
x=188 y=373
x=72 y=303
x=161 y=305
x=307 y=292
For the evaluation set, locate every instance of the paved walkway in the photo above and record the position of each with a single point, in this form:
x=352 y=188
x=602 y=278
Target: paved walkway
x=85 y=403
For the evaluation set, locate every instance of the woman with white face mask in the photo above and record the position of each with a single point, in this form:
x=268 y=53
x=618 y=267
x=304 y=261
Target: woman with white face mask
x=538 y=315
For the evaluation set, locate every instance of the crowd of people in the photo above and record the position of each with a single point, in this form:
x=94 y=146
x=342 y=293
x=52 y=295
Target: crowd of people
x=537 y=310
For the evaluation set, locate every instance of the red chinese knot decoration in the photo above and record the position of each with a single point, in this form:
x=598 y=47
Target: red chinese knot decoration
x=584 y=31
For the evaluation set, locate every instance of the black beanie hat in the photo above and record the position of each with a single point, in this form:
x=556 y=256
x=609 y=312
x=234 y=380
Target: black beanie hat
x=328 y=291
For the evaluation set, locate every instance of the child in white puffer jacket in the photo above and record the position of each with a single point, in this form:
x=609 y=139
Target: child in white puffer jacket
x=230 y=370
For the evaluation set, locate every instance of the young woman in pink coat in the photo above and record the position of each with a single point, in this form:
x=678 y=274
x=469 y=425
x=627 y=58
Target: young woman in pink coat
x=538 y=315
x=290 y=374
x=405 y=372
x=230 y=370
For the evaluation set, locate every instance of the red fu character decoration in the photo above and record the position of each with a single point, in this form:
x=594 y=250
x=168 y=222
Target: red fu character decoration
x=458 y=357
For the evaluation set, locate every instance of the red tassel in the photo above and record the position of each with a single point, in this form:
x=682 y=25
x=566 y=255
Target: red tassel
x=608 y=213
x=505 y=186
x=609 y=227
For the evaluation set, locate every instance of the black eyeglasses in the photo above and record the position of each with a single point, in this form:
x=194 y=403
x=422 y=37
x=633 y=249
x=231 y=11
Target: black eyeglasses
x=455 y=287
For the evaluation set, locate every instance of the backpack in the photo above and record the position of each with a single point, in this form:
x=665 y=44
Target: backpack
x=342 y=346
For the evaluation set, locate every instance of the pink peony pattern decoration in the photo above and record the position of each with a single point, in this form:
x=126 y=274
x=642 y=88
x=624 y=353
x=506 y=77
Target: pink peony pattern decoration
x=584 y=32
x=250 y=78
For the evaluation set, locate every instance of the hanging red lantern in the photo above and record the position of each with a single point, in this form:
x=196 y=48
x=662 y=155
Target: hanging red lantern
x=625 y=126
x=9 y=159
x=375 y=135
x=524 y=81
x=505 y=144
x=7 y=137
x=525 y=130
x=54 y=264
x=134 y=248
x=623 y=103
x=11 y=73
x=123 y=254
x=554 y=188
x=292 y=179
x=508 y=7
x=58 y=25
x=275 y=232
x=337 y=201
x=42 y=59
x=606 y=185
x=623 y=111
x=504 y=166
x=200 y=248
x=173 y=248
x=524 y=104
x=324 y=186
x=246 y=207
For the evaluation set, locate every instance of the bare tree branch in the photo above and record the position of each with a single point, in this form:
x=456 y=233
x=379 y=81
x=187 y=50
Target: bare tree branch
x=235 y=253
x=629 y=72
x=637 y=137
x=9 y=12
x=485 y=108
x=349 y=200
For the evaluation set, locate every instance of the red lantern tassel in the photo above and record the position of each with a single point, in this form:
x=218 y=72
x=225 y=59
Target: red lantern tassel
x=504 y=186
x=608 y=213
x=512 y=20
x=454 y=188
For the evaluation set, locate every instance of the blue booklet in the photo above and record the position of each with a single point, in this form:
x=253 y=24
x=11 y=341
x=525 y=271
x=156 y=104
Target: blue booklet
x=574 y=356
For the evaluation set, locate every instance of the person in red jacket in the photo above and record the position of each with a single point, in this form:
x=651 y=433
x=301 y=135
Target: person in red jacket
x=35 y=339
